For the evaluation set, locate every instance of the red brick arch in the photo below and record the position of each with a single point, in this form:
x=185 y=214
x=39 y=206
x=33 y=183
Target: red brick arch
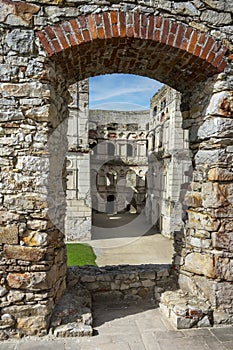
x=133 y=42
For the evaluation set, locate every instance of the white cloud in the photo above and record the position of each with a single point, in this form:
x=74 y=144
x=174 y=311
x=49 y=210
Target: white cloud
x=122 y=89
x=119 y=106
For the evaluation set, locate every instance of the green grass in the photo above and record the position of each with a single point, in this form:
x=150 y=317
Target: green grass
x=80 y=254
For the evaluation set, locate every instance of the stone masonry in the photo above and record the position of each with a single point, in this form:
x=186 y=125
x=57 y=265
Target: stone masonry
x=169 y=162
x=46 y=46
x=119 y=160
x=93 y=173
x=78 y=194
x=122 y=144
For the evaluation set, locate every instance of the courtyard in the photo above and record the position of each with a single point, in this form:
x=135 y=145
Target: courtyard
x=118 y=244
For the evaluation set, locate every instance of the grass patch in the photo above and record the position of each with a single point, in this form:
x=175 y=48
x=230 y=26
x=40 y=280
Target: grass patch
x=80 y=254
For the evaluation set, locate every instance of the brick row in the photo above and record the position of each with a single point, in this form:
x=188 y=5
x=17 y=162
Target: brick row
x=113 y=24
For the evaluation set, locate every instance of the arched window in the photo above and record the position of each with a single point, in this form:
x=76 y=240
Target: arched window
x=163 y=117
x=111 y=149
x=163 y=104
x=155 y=109
x=129 y=150
x=111 y=178
x=151 y=142
x=131 y=178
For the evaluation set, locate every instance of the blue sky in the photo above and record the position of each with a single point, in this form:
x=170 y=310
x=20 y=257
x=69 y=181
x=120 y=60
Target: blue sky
x=121 y=92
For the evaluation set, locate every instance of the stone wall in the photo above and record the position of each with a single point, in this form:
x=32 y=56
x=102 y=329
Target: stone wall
x=207 y=257
x=46 y=46
x=125 y=282
x=33 y=255
x=169 y=162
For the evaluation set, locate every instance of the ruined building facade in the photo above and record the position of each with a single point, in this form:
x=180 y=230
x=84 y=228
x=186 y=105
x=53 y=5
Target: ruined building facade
x=118 y=160
x=168 y=162
x=106 y=163
x=126 y=161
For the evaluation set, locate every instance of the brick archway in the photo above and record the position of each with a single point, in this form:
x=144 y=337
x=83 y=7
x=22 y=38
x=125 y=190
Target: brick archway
x=133 y=42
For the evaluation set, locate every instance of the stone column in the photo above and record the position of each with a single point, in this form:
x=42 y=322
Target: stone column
x=79 y=208
x=33 y=255
x=207 y=265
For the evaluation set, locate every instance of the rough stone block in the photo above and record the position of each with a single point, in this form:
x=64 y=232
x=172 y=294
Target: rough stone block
x=224 y=269
x=9 y=234
x=201 y=221
x=44 y=113
x=218 y=126
x=32 y=89
x=204 y=322
x=21 y=41
x=38 y=224
x=24 y=253
x=210 y=157
x=220 y=174
x=187 y=8
x=214 y=17
x=3 y=291
x=186 y=283
x=222 y=317
x=223 y=240
x=215 y=195
x=38 y=309
x=22 y=202
x=199 y=243
x=146 y=283
x=11 y=114
x=193 y=199
x=35 y=325
x=182 y=322
x=6 y=322
x=32 y=281
x=49 y=2
x=15 y=296
x=74 y=329
x=201 y=264
x=17 y=13
x=220 y=5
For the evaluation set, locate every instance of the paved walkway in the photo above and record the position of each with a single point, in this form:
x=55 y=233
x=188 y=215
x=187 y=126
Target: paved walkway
x=154 y=249
x=132 y=327
x=118 y=243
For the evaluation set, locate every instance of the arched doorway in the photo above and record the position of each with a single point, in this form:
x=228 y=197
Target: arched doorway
x=110 y=205
x=71 y=50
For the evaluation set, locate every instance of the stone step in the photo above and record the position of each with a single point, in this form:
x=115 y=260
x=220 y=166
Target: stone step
x=72 y=316
x=186 y=311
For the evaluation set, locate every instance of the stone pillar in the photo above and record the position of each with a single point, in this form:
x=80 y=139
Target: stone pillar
x=79 y=208
x=33 y=255
x=207 y=261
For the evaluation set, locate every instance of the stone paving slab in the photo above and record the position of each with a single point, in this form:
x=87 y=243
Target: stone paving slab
x=7 y=346
x=223 y=334
x=41 y=345
x=213 y=343
x=229 y=345
x=194 y=343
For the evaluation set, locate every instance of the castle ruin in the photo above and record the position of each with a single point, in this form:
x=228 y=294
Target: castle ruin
x=46 y=47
